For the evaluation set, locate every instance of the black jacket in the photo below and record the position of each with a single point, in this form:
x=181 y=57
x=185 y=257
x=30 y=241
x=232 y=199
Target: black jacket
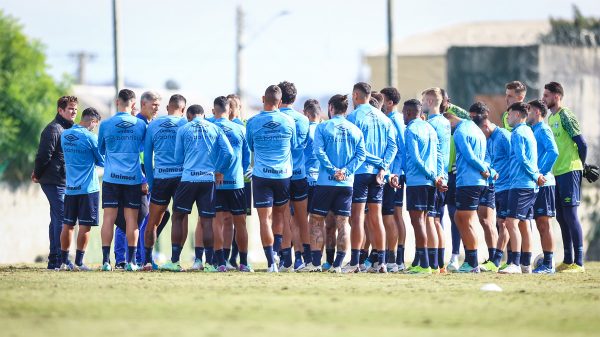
x=50 y=161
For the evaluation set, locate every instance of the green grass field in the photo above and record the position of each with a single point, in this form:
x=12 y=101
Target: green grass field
x=36 y=302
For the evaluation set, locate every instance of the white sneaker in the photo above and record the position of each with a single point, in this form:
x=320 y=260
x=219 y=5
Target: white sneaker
x=392 y=268
x=313 y=269
x=335 y=270
x=453 y=266
x=401 y=267
x=273 y=269
x=525 y=269
x=511 y=269
x=300 y=267
x=275 y=258
x=362 y=268
x=350 y=269
x=197 y=266
x=307 y=268
x=377 y=268
x=229 y=266
x=284 y=269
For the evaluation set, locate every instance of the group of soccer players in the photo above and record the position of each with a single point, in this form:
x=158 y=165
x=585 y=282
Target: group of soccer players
x=309 y=179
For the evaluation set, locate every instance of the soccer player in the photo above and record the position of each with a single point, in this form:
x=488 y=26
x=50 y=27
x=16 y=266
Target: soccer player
x=120 y=139
x=515 y=93
x=230 y=192
x=393 y=199
x=298 y=184
x=525 y=178
x=431 y=100
x=567 y=170
x=205 y=153
x=235 y=109
x=271 y=136
x=471 y=181
x=340 y=149
x=492 y=204
x=163 y=173
x=380 y=143
x=49 y=171
x=544 y=208
x=80 y=147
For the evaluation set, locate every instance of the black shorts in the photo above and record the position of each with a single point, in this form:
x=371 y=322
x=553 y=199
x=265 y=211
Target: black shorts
x=545 y=202
x=366 y=189
x=270 y=192
x=392 y=198
x=420 y=198
x=233 y=201
x=520 y=203
x=202 y=193
x=82 y=208
x=120 y=195
x=488 y=197
x=336 y=199
x=142 y=213
x=467 y=197
x=299 y=189
x=501 y=199
x=163 y=190
x=311 y=192
x=451 y=192
x=439 y=201
x=568 y=189
x=248 y=196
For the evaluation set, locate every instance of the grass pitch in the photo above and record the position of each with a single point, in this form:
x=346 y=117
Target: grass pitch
x=36 y=302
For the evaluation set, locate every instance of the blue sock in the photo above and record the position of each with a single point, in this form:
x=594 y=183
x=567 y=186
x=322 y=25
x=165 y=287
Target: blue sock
x=277 y=243
x=175 y=253
x=432 y=256
x=234 y=251
x=198 y=252
x=286 y=257
x=440 y=256
x=64 y=256
x=491 y=253
x=339 y=258
x=579 y=255
x=390 y=256
x=568 y=259
x=220 y=255
x=422 y=258
x=565 y=233
x=79 y=257
x=400 y=254
x=471 y=257
x=243 y=258
x=525 y=258
x=548 y=256
x=306 y=251
x=269 y=255
x=380 y=257
x=105 y=254
x=297 y=255
x=209 y=252
x=373 y=256
x=226 y=252
x=363 y=256
x=131 y=251
x=454 y=230
x=497 y=257
x=516 y=258
x=148 y=255
x=330 y=255
x=316 y=257
x=572 y=220
x=354 y=256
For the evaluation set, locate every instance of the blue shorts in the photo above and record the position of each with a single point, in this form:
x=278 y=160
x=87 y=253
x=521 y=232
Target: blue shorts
x=299 y=189
x=366 y=189
x=501 y=204
x=202 y=193
x=120 y=195
x=392 y=198
x=232 y=201
x=568 y=189
x=82 y=208
x=336 y=199
x=467 y=197
x=248 y=196
x=451 y=192
x=439 y=201
x=270 y=192
x=520 y=203
x=545 y=203
x=311 y=192
x=488 y=197
x=163 y=190
x=420 y=198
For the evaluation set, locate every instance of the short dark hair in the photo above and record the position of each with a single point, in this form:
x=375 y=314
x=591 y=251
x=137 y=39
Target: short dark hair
x=522 y=108
x=195 y=109
x=339 y=103
x=555 y=88
x=518 y=86
x=364 y=88
x=415 y=103
x=65 y=100
x=392 y=94
x=288 y=92
x=312 y=107
x=221 y=103
x=540 y=105
x=479 y=108
x=177 y=99
x=126 y=95
x=273 y=94
x=376 y=100
x=91 y=113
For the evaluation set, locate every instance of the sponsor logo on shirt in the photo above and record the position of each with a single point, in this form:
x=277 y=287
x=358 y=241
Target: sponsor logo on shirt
x=121 y=176
x=271 y=125
x=168 y=125
x=71 y=137
x=274 y=171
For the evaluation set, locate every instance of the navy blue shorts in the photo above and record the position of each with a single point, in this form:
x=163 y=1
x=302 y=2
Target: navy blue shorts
x=392 y=198
x=163 y=190
x=311 y=192
x=202 y=193
x=488 y=197
x=420 y=198
x=233 y=201
x=520 y=203
x=439 y=201
x=366 y=189
x=336 y=199
x=248 y=196
x=451 y=192
x=82 y=208
x=501 y=204
x=467 y=197
x=545 y=203
x=120 y=195
x=568 y=189
x=299 y=189
x=270 y=192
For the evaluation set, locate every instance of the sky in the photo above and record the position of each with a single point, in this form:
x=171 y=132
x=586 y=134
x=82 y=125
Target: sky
x=318 y=45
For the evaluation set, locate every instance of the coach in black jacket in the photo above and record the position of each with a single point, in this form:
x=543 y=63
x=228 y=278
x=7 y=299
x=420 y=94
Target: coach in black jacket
x=49 y=171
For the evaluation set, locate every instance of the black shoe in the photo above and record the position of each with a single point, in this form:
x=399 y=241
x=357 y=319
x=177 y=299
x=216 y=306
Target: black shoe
x=120 y=265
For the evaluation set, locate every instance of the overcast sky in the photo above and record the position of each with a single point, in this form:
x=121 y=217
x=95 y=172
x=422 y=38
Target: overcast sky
x=318 y=45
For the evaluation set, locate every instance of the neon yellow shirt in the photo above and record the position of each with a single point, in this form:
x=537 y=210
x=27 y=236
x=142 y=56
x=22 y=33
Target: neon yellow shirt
x=564 y=126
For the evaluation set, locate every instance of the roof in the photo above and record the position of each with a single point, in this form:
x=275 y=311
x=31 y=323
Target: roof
x=472 y=34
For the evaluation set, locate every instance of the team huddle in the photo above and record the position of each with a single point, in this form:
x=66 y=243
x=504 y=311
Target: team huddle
x=329 y=186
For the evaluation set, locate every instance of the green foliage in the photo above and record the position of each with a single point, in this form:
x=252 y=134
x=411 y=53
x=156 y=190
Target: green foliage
x=28 y=97
x=580 y=32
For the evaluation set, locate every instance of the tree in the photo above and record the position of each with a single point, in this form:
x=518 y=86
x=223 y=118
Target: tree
x=28 y=97
x=580 y=32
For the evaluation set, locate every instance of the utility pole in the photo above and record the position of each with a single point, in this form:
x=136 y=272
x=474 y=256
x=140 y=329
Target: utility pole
x=391 y=55
x=239 y=50
x=117 y=47
x=82 y=58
